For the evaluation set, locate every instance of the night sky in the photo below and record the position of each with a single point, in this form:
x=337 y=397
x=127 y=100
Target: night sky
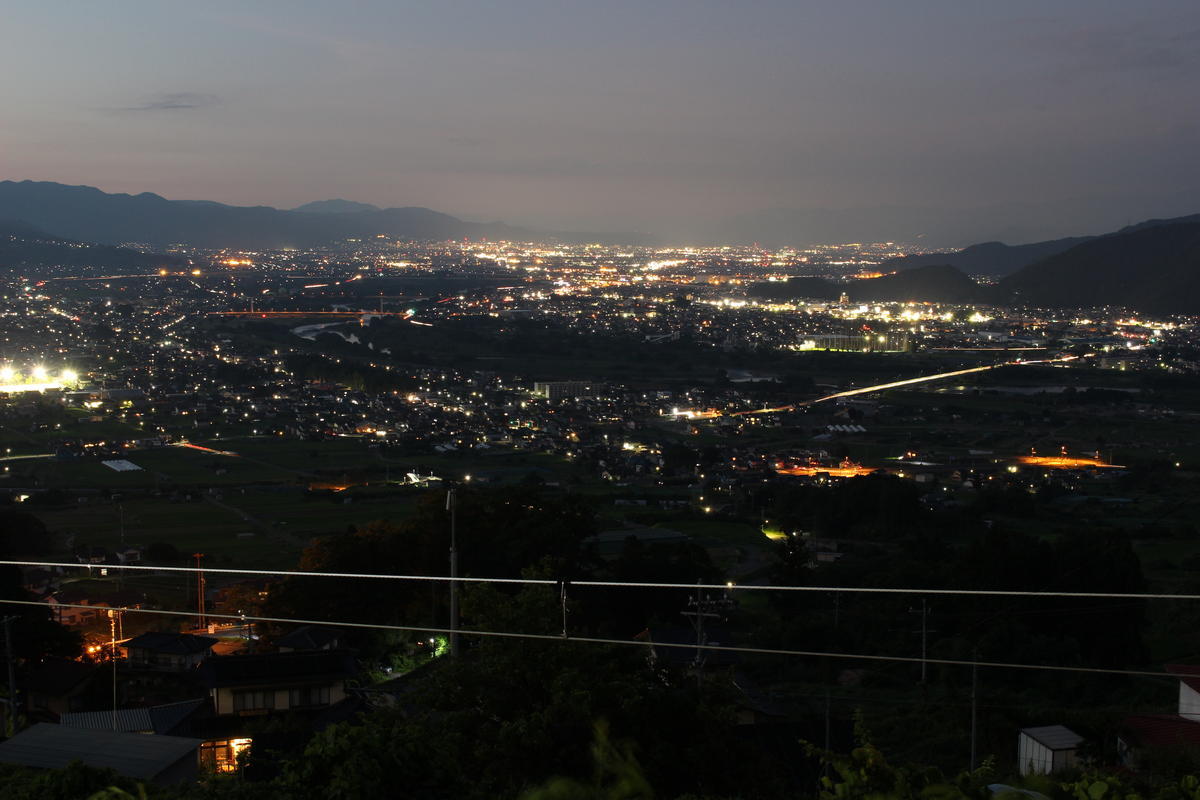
x=1014 y=119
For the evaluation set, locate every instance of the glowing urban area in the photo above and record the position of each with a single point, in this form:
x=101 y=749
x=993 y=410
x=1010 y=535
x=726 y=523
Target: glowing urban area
x=650 y=400
x=688 y=463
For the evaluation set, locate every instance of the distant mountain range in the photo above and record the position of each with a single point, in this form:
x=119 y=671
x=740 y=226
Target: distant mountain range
x=337 y=206
x=996 y=259
x=23 y=246
x=86 y=213
x=990 y=259
x=1152 y=267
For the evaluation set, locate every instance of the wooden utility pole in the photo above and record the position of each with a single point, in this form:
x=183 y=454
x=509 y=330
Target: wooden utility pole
x=199 y=589
x=10 y=722
x=452 y=507
x=924 y=612
x=974 y=702
x=112 y=630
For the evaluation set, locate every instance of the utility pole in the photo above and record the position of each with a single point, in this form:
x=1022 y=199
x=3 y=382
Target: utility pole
x=704 y=608
x=199 y=588
x=10 y=722
x=112 y=629
x=974 y=703
x=924 y=612
x=452 y=507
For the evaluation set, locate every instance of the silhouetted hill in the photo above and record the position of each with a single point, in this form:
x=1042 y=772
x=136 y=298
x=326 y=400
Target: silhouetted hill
x=1154 y=223
x=337 y=206
x=994 y=259
x=935 y=284
x=939 y=283
x=23 y=247
x=83 y=212
x=1153 y=269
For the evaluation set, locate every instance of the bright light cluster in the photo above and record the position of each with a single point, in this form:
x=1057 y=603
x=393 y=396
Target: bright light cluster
x=37 y=379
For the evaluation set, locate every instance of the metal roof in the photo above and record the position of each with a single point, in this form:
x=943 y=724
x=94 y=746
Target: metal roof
x=1055 y=737
x=155 y=719
x=128 y=720
x=133 y=754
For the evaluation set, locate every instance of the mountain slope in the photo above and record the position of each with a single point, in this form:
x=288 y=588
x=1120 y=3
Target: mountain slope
x=24 y=248
x=994 y=259
x=1149 y=269
x=83 y=212
x=933 y=284
x=337 y=206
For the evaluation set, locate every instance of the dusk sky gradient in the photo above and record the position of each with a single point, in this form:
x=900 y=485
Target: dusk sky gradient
x=1019 y=118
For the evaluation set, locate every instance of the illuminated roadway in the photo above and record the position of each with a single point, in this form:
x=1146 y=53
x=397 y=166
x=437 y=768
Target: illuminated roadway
x=877 y=388
x=292 y=314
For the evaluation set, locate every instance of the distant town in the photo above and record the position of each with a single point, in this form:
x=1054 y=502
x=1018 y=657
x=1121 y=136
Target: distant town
x=181 y=445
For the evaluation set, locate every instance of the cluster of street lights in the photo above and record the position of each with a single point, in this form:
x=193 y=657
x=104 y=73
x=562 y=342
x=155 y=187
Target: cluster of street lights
x=38 y=375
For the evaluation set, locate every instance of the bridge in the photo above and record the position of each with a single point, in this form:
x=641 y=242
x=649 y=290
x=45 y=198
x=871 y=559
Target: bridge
x=307 y=314
x=713 y=413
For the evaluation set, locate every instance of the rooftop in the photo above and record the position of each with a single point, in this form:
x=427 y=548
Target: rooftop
x=269 y=669
x=133 y=754
x=180 y=644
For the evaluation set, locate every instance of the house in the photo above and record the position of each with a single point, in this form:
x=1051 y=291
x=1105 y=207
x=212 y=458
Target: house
x=57 y=686
x=168 y=652
x=1047 y=749
x=164 y=760
x=1155 y=731
x=219 y=749
x=247 y=685
x=311 y=637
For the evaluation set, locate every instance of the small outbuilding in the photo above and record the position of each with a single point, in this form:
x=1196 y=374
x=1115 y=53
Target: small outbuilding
x=164 y=760
x=1046 y=750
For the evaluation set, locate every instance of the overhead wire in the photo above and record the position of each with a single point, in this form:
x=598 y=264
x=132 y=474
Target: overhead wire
x=730 y=586
x=716 y=648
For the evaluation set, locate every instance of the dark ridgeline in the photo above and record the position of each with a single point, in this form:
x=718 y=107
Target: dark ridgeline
x=994 y=259
x=997 y=260
x=83 y=212
x=1152 y=267
x=23 y=246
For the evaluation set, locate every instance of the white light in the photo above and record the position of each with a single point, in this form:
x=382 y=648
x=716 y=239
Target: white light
x=69 y=376
x=39 y=372
x=7 y=373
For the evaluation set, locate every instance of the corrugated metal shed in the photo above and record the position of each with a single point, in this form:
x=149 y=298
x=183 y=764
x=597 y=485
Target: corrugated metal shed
x=1054 y=737
x=133 y=754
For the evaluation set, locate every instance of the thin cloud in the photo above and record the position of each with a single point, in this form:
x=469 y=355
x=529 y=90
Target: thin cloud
x=175 y=101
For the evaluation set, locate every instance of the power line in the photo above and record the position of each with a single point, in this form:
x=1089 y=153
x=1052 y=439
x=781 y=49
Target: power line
x=739 y=587
x=598 y=640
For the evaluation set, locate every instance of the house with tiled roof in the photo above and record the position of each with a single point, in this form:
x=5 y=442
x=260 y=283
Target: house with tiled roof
x=168 y=652
x=271 y=682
